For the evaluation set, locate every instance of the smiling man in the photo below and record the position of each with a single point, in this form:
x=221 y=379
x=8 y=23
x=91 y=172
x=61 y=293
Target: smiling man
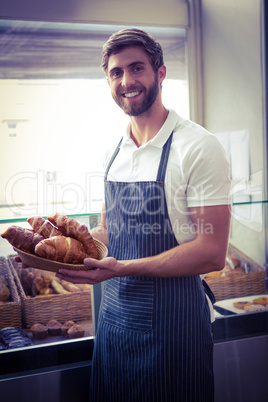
x=166 y=221
x=134 y=84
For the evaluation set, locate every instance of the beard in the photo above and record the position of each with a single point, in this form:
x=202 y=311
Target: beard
x=137 y=108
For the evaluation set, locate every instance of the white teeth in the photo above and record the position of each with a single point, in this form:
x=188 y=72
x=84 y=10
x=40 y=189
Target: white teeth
x=131 y=94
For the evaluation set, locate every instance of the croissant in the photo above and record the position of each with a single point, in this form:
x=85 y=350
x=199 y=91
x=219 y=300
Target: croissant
x=22 y=238
x=72 y=228
x=61 y=249
x=43 y=227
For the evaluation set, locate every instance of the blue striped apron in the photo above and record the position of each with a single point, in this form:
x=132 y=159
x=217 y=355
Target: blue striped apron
x=154 y=340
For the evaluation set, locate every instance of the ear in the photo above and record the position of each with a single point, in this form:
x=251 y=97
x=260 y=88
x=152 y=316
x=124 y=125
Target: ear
x=162 y=72
x=107 y=79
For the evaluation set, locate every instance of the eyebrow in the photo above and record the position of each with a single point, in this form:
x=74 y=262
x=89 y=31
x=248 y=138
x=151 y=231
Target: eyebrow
x=134 y=63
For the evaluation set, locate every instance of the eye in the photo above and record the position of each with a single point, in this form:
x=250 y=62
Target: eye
x=137 y=69
x=115 y=74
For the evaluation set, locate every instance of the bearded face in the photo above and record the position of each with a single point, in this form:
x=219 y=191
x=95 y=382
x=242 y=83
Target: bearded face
x=137 y=99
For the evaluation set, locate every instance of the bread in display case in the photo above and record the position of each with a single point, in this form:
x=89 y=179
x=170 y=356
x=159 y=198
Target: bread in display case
x=240 y=277
x=45 y=297
x=10 y=303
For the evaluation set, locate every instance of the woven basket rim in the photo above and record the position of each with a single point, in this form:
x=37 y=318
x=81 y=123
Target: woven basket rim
x=35 y=261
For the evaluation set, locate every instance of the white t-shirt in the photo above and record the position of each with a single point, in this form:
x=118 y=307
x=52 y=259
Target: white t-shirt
x=197 y=172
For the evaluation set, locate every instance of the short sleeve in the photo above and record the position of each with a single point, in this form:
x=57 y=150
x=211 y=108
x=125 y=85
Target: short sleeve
x=208 y=178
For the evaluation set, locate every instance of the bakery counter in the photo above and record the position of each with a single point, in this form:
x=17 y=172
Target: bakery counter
x=45 y=356
x=59 y=351
x=240 y=326
x=44 y=352
x=61 y=370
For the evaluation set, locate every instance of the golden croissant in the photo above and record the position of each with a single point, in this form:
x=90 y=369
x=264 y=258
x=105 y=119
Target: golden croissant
x=61 y=249
x=72 y=228
x=22 y=238
x=43 y=227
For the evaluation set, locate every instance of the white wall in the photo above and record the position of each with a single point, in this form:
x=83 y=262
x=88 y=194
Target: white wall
x=233 y=99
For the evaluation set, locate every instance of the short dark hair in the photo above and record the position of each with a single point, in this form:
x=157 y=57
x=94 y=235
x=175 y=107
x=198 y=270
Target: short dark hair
x=133 y=37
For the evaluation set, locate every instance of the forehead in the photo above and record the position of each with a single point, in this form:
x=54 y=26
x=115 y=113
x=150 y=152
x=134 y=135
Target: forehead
x=128 y=56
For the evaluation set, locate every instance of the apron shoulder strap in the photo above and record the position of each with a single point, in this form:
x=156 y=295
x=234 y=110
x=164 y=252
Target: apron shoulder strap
x=164 y=159
x=112 y=159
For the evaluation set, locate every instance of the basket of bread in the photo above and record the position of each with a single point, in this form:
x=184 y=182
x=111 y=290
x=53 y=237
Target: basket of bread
x=52 y=243
x=10 y=303
x=44 y=296
x=240 y=277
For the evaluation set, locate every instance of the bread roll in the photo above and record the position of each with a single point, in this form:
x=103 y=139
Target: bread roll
x=59 y=289
x=4 y=293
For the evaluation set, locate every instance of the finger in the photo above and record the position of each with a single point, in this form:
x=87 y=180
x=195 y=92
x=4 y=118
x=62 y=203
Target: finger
x=74 y=276
x=70 y=273
x=91 y=262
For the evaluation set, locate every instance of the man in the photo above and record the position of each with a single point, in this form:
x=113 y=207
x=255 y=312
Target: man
x=166 y=220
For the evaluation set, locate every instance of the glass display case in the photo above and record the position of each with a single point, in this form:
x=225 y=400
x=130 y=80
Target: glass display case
x=36 y=297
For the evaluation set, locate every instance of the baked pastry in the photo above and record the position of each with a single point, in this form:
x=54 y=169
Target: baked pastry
x=241 y=304
x=70 y=287
x=58 y=288
x=4 y=292
x=39 y=331
x=72 y=228
x=232 y=261
x=54 y=327
x=46 y=291
x=61 y=249
x=43 y=227
x=22 y=238
x=254 y=307
x=261 y=300
x=76 y=331
x=213 y=274
x=66 y=326
x=3 y=280
x=236 y=271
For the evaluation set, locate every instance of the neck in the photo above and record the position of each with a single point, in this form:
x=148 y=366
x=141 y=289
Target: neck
x=145 y=127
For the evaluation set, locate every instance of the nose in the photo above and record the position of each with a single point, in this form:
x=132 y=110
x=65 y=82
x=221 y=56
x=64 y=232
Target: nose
x=127 y=79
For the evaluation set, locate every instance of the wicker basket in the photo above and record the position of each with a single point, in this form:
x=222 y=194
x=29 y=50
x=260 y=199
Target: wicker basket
x=62 y=307
x=239 y=285
x=10 y=312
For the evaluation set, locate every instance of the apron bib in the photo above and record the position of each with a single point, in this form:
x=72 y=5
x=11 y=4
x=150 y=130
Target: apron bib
x=154 y=340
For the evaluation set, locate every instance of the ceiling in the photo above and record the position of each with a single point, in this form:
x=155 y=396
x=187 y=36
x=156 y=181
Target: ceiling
x=49 y=50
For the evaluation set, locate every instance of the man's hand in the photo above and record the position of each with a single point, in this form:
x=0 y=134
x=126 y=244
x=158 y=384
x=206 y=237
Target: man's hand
x=100 y=270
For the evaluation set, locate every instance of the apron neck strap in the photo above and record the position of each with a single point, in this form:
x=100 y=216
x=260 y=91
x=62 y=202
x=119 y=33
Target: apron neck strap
x=164 y=159
x=112 y=158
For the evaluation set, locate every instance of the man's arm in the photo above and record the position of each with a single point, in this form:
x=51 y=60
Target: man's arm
x=205 y=253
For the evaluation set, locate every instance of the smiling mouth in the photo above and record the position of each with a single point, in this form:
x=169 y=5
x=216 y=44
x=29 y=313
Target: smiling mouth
x=131 y=94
